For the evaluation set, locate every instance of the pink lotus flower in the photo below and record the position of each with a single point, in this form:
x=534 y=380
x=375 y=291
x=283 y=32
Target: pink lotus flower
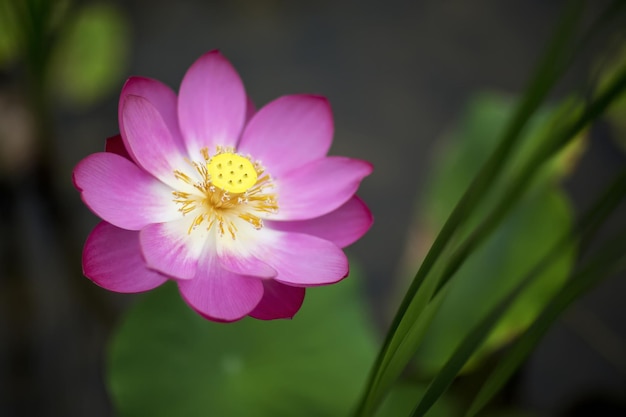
x=242 y=210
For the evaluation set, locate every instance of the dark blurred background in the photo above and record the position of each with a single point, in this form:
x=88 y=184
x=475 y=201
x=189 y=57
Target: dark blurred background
x=398 y=74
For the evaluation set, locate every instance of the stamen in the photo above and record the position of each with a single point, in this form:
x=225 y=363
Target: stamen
x=182 y=176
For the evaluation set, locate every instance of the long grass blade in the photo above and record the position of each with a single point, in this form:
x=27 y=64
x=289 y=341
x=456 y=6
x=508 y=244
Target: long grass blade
x=445 y=377
x=587 y=227
x=561 y=138
x=553 y=64
x=528 y=340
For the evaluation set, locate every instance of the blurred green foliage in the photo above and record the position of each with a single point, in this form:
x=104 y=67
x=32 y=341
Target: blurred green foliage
x=616 y=114
x=79 y=51
x=9 y=42
x=166 y=360
x=91 y=54
x=402 y=397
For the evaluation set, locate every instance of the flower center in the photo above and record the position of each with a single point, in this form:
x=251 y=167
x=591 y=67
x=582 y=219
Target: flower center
x=225 y=190
x=231 y=172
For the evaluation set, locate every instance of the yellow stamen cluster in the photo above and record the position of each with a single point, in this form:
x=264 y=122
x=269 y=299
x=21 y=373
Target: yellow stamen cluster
x=230 y=187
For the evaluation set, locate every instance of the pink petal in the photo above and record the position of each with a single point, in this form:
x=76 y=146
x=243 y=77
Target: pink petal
x=343 y=226
x=303 y=260
x=112 y=260
x=220 y=295
x=319 y=187
x=289 y=132
x=211 y=105
x=121 y=193
x=171 y=249
x=279 y=301
x=150 y=141
x=159 y=95
x=249 y=266
x=115 y=144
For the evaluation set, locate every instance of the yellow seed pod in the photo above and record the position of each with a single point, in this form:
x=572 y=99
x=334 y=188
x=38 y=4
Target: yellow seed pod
x=231 y=172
